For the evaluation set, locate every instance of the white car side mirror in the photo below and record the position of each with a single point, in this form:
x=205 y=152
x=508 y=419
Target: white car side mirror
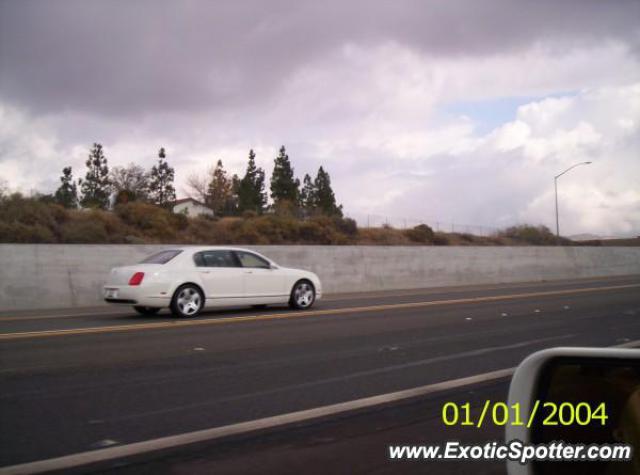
x=577 y=396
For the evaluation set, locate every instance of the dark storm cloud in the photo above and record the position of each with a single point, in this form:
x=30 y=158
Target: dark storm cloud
x=129 y=58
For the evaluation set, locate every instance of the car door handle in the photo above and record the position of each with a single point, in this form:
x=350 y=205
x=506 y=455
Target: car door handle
x=248 y=272
x=205 y=272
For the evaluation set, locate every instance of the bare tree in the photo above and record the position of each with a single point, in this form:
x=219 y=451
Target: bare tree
x=130 y=183
x=198 y=185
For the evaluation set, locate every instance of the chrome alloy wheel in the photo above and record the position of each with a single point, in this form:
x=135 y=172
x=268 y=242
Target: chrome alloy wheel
x=303 y=295
x=189 y=301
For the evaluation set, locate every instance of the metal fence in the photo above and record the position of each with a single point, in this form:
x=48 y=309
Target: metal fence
x=400 y=222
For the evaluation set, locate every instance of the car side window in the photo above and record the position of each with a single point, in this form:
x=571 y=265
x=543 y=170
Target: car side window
x=248 y=259
x=161 y=257
x=215 y=259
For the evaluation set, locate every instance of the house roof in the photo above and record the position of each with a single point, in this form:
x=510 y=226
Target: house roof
x=186 y=200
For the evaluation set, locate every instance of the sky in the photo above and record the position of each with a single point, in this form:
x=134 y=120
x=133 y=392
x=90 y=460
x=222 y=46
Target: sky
x=443 y=111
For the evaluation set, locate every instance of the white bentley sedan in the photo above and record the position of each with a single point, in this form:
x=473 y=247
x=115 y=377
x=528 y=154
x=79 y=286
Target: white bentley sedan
x=190 y=279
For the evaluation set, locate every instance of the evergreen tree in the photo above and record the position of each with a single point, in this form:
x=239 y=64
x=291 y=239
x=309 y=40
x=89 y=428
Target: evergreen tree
x=231 y=204
x=308 y=196
x=325 y=198
x=161 y=188
x=284 y=187
x=260 y=193
x=67 y=194
x=219 y=191
x=96 y=187
x=4 y=188
x=251 y=194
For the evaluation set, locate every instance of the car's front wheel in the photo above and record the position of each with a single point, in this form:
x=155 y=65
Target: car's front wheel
x=303 y=295
x=187 y=301
x=146 y=310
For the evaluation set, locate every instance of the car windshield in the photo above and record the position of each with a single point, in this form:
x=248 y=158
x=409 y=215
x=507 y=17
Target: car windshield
x=161 y=257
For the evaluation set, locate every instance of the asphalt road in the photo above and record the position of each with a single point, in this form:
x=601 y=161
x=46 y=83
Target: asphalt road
x=74 y=381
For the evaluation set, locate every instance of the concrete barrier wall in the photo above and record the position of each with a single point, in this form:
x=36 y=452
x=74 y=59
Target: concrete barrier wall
x=66 y=275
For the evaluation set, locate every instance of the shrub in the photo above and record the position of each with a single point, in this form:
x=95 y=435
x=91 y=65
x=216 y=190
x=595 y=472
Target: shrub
x=281 y=229
x=200 y=230
x=422 y=234
x=286 y=208
x=249 y=214
x=316 y=231
x=382 y=236
x=440 y=239
x=25 y=233
x=27 y=211
x=248 y=234
x=346 y=226
x=29 y=219
x=87 y=231
x=538 y=235
x=180 y=221
x=130 y=239
x=157 y=223
x=467 y=237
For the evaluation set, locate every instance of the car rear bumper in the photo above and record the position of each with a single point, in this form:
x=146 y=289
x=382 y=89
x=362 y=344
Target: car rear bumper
x=133 y=295
x=122 y=301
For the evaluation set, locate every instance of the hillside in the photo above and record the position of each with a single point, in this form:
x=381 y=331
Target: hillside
x=29 y=220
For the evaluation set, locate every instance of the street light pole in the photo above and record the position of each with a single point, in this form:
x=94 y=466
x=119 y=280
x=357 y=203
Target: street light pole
x=555 y=182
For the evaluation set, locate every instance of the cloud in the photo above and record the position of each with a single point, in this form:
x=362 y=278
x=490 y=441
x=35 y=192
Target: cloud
x=21 y=139
x=508 y=177
x=135 y=58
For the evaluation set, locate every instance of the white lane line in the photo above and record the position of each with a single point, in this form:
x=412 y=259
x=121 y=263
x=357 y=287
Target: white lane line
x=335 y=379
x=94 y=456
x=105 y=443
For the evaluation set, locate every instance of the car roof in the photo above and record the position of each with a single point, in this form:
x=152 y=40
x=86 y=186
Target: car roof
x=209 y=248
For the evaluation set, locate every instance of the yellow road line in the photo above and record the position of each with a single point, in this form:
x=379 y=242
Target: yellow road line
x=101 y=313
x=310 y=313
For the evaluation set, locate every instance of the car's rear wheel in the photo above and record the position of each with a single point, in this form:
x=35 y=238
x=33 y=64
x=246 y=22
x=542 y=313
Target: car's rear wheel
x=146 y=310
x=187 y=301
x=303 y=295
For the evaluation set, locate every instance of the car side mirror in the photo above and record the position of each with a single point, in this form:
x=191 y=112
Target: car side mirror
x=577 y=396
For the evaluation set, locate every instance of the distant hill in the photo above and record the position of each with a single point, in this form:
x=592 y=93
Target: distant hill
x=593 y=240
x=595 y=237
x=584 y=237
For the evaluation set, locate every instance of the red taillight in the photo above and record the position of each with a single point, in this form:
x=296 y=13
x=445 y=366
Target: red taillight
x=136 y=278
